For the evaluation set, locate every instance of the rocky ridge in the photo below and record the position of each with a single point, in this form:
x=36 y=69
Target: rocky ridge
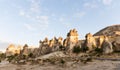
x=104 y=42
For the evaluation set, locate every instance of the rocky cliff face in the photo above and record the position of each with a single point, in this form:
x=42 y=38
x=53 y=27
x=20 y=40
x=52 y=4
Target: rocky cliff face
x=90 y=42
x=12 y=50
x=113 y=34
x=73 y=36
x=72 y=39
x=106 y=39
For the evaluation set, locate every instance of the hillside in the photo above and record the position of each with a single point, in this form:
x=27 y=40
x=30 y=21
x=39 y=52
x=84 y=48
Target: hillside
x=113 y=30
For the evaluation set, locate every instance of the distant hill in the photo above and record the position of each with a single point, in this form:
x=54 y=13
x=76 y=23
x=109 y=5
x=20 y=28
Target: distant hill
x=113 y=30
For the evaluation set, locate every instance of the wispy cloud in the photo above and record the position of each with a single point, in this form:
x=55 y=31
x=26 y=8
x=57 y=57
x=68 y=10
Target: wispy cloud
x=33 y=13
x=29 y=27
x=90 y=5
x=80 y=14
x=61 y=19
x=107 y=2
x=35 y=6
x=40 y=23
x=21 y=13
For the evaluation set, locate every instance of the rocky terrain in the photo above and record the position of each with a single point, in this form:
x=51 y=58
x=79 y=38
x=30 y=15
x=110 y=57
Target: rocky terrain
x=99 y=51
x=109 y=31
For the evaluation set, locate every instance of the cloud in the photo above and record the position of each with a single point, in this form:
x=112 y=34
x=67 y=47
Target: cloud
x=61 y=19
x=90 y=5
x=40 y=23
x=107 y=2
x=42 y=19
x=80 y=14
x=29 y=27
x=33 y=13
x=21 y=13
x=35 y=6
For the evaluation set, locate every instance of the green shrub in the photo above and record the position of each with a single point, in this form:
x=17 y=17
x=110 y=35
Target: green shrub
x=62 y=61
x=2 y=56
x=62 y=48
x=24 y=56
x=98 y=50
x=76 y=49
x=84 y=49
x=10 y=58
x=0 y=60
x=30 y=55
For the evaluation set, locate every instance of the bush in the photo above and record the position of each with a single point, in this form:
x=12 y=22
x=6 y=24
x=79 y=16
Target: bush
x=98 y=50
x=10 y=58
x=62 y=61
x=76 y=49
x=62 y=48
x=24 y=56
x=30 y=55
x=84 y=49
x=2 y=56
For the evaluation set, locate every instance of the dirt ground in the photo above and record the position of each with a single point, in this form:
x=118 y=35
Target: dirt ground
x=94 y=65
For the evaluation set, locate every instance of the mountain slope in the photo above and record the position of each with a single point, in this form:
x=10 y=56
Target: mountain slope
x=109 y=31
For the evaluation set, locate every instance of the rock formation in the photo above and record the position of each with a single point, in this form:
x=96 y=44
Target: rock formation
x=12 y=50
x=90 y=42
x=73 y=36
x=106 y=39
x=60 y=41
x=100 y=40
x=116 y=44
x=25 y=50
x=44 y=47
x=72 y=39
x=107 y=46
x=113 y=30
x=113 y=34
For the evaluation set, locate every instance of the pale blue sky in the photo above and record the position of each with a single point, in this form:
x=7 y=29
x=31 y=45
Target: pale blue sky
x=28 y=21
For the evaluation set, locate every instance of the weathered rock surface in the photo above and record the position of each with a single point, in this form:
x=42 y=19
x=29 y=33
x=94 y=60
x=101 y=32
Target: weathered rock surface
x=116 y=45
x=12 y=50
x=52 y=55
x=107 y=47
x=113 y=34
x=90 y=42
x=25 y=50
x=72 y=39
x=113 y=30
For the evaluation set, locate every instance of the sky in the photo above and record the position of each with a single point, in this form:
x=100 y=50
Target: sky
x=29 y=21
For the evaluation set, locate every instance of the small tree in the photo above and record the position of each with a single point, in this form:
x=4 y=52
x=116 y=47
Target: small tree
x=62 y=61
x=62 y=48
x=2 y=56
x=98 y=50
x=30 y=55
x=24 y=56
x=84 y=49
x=76 y=49
x=10 y=58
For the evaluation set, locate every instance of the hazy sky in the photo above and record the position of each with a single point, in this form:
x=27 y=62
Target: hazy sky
x=28 y=21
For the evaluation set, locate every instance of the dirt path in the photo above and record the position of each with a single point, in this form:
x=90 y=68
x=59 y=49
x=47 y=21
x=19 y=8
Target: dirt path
x=95 y=65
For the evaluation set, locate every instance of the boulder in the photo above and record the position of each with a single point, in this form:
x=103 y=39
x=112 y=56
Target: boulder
x=107 y=47
x=116 y=46
x=25 y=50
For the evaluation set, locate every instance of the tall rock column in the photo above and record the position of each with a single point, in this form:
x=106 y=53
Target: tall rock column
x=72 y=39
x=90 y=42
